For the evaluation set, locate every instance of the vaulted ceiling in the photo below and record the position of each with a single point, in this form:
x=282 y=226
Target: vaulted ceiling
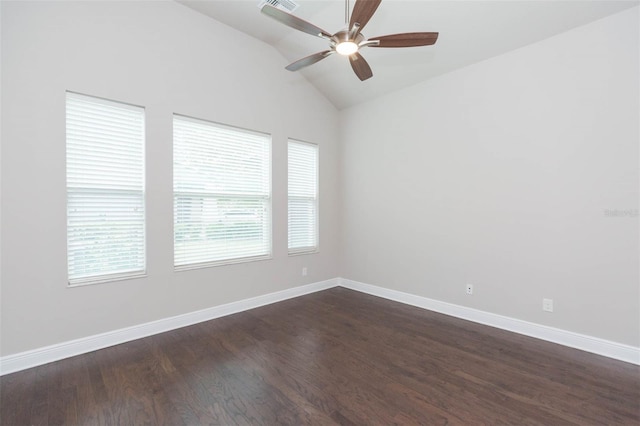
x=470 y=31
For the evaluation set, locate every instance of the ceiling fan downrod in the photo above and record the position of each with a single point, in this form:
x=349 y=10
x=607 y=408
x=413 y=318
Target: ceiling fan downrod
x=346 y=12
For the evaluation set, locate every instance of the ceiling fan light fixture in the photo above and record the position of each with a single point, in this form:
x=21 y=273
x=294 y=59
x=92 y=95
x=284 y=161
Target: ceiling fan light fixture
x=346 y=48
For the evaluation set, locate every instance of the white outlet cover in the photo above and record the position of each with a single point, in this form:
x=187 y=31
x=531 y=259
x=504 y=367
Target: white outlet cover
x=547 y=305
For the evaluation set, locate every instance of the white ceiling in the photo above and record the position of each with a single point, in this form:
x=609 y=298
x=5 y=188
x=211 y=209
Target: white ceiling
x=470 y=31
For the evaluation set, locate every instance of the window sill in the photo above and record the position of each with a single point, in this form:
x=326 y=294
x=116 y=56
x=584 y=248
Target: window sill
x=102 y=279
x=301 y=252
x=225 y=262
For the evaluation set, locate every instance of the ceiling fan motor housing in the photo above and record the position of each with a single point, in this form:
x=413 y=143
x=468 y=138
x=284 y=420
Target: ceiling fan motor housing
x=344 y=35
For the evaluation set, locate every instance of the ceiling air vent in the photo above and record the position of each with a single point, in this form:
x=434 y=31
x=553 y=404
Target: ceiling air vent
x=286 y=5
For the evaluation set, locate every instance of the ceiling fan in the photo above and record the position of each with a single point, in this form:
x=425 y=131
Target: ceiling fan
x=349 y=41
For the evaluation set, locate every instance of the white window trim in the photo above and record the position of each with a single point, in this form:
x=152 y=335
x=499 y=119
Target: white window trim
x=122 y=276
x=314 y=249
x=269 y=198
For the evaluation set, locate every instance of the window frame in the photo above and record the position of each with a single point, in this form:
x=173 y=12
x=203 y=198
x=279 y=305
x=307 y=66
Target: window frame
x=70 y=191
x=315 y=248
x=268 y=199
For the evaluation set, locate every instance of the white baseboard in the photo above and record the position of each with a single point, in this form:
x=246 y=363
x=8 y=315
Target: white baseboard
x=40 y=356
x=591 y=344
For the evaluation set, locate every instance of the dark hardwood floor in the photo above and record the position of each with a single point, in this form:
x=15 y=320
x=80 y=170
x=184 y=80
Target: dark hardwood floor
x=334 y=357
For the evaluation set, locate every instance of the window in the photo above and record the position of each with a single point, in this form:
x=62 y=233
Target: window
x=222 y=194
x=303 y=197
x=105 y=190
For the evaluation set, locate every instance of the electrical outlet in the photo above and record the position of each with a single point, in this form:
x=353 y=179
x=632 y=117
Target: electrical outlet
x=469 y=288
x=547 y=305
x=304 y=271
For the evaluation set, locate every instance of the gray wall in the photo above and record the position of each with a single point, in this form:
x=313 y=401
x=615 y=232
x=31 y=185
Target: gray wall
x=504 y=174
x=168 y=58
x=500 y=174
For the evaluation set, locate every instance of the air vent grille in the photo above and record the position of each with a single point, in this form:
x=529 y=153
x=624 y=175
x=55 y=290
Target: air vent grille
x=286 y=5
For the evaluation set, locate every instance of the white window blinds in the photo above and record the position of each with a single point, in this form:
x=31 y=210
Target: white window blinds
x=303 y=197
x=222 y=194
x=105 y=190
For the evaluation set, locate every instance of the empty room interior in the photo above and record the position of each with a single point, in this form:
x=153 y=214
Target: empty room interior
x=320 y=212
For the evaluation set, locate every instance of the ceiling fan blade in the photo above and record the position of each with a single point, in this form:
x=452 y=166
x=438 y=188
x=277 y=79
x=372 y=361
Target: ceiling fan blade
x=294 y=22
x=360 y=66
x=405 y=40
x=309 y=60
x=363 y=10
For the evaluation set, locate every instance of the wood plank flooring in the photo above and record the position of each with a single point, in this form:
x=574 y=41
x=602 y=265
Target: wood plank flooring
x=333 y=357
